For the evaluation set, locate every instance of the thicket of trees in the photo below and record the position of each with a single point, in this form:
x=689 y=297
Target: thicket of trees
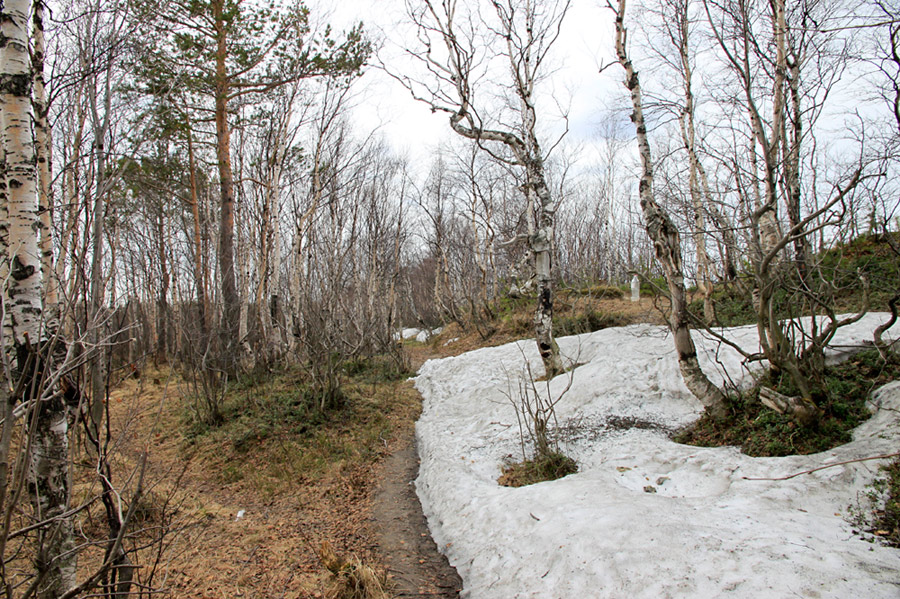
x=182 y=183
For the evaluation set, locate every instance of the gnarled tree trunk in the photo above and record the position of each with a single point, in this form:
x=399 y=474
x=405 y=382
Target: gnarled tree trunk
x=666 y=240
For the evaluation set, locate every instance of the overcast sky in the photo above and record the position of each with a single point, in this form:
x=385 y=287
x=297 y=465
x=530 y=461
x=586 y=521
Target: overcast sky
x=410 y=126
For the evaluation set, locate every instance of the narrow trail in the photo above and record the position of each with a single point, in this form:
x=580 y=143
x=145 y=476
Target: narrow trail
x=415 y=567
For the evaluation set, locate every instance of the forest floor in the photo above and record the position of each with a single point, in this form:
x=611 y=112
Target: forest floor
x=246 y=513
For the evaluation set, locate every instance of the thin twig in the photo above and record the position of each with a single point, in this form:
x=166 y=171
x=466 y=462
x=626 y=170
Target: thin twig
x=877 y=457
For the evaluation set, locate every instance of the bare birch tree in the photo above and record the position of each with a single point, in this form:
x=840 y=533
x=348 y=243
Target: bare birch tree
x=665 y=236
x=48 y=455
x=782 y=107
x=455 y=46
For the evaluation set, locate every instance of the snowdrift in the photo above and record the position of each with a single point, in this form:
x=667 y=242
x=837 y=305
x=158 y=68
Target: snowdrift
x=644 y=517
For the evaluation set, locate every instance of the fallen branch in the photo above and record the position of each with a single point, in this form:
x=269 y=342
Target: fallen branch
x=800 y=408
x=877 y=457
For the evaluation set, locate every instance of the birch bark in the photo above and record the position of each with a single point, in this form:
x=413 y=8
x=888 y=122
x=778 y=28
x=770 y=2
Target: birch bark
x=54 y=559
x=666 y=239
x=688 y=136
x=43 y=151
x=527 y=43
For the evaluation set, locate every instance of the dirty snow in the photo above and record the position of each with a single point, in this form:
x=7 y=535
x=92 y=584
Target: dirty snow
x=644 y=517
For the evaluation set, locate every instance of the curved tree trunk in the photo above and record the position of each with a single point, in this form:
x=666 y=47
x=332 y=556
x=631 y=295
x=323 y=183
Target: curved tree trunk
x=666 y=241
x=525 y=52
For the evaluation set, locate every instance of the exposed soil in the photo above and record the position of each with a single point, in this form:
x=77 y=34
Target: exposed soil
x=415 y=567
x=239 y=531
x=249 y=522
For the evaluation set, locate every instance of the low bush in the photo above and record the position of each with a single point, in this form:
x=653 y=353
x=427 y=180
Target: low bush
x=550 y=467
x=597 y=291
x=587 y=322
x=759 y=431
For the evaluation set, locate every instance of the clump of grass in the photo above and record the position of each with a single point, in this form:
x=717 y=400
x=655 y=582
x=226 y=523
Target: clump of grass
x=598 y=290
x=587 y=322
x=350 y=578
x=877 y=512
x=759 y=431
x=549 y=467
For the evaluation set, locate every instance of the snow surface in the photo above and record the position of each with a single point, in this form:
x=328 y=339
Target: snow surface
x=644 y=516
x=425 y=334
x=420 y=335
x=407 y=333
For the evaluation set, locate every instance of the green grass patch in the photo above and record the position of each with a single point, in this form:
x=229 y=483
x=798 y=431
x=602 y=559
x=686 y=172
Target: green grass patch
x=731 y=308
x=529 y=472
x=375 y=369
x=587 y=322
x=596 y=290
x=279 y=429
x=759 y=431
x=870 y=255
x=835 y=277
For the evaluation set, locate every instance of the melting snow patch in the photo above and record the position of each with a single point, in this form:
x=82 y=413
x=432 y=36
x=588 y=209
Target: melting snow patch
x=425 y=335
x=644 y=516
x=406 y=334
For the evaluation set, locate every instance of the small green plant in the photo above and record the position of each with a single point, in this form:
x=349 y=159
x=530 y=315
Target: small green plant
x=759 y=431
x=877 y=510
x=653 y=286
x=232 y=473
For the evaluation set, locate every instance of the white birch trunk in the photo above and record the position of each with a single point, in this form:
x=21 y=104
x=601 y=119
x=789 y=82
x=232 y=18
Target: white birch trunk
x=43 y=149
x=666 y=240
x=525 y=51
x=244 y=311
x=55 y=560
x=24 y=287
x=5 y=324
x=293 y=313
x=688 y=136
x=270 y=258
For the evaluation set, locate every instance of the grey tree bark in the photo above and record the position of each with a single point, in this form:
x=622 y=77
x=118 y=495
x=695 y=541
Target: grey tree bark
x=528 y=39
x=666 y=239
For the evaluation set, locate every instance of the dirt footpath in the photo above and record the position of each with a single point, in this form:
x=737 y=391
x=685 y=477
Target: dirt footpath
x=415 y=567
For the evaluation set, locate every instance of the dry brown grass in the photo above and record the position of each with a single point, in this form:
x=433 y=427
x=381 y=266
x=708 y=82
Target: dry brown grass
x=350 y=577
x=294 y=492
